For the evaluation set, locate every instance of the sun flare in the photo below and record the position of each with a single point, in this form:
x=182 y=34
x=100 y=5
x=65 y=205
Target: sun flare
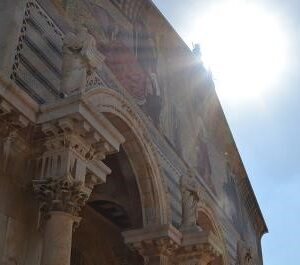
x=245 y=48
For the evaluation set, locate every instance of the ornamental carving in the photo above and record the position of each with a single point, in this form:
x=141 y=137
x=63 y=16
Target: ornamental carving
x=63 y=194
x=190 y=198
x=68 y=165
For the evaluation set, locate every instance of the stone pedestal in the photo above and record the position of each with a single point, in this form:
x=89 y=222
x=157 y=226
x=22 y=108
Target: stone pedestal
x=155 y=244
x=58 y=239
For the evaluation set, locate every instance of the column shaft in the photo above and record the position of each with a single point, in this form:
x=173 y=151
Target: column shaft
x=58 y=239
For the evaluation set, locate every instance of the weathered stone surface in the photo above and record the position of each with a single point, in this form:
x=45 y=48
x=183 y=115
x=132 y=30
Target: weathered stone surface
x=87 y=84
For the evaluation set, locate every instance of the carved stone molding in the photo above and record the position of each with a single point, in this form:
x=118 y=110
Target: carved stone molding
x=67 y=164
x=198 y=247
x=72 y=149
x=156 y=244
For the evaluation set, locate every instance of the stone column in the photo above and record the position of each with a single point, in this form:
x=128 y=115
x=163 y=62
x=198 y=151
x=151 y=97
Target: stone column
x=58 y=239
x=67 y=166
x=61 y=201
x=155 y=244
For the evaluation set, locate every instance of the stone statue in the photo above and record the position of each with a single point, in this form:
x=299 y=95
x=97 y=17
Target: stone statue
x=190 y=199
x=80 y=59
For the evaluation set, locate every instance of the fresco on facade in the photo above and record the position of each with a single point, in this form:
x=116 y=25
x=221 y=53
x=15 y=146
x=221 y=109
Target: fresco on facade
x=130 y=53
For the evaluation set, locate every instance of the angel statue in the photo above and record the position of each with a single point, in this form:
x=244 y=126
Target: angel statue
x=190 y=199
x=80 y=59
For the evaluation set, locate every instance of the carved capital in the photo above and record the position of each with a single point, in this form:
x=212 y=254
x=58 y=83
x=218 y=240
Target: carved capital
x=155 y=245
x=198 y=247
x=61 y=194
x=68 y=165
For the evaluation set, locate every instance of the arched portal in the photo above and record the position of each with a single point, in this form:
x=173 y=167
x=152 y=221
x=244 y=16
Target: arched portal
x=139 y=149
x=134 y=194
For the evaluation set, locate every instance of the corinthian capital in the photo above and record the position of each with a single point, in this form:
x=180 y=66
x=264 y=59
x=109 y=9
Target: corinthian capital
x=68 y=165
x=61 y=194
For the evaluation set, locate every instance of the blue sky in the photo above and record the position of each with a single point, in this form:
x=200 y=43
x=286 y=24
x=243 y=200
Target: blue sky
x=266 y=133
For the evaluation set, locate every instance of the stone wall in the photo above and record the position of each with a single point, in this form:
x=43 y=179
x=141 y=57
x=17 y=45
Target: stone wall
x=149 y=66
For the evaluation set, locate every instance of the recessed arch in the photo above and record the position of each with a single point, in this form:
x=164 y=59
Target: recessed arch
x=139 y=148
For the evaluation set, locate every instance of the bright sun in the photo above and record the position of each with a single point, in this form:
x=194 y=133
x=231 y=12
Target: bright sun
x=245 y=48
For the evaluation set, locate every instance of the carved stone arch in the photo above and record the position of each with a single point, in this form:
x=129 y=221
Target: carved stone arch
x=207 y=221
x=139 y=148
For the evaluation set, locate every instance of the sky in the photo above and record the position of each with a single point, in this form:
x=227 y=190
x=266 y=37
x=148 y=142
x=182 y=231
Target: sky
x=254 y=59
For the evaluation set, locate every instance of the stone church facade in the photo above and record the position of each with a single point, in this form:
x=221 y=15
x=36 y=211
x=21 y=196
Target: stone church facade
x=114 y=148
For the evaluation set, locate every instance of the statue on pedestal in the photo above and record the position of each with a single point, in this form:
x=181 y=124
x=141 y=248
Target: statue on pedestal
x=80 y=59
x=190 y=199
